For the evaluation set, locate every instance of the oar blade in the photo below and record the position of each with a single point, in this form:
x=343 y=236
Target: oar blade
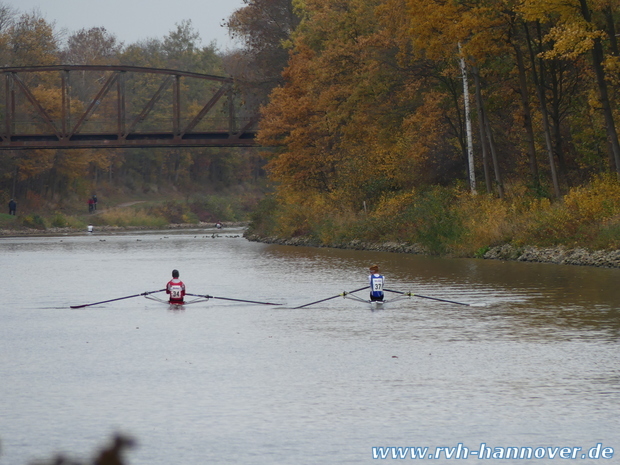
x=342 y=294
x=428 y=297
x=119 y=298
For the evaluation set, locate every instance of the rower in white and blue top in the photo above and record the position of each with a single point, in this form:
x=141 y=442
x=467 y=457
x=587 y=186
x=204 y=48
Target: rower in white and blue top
x=377 y=282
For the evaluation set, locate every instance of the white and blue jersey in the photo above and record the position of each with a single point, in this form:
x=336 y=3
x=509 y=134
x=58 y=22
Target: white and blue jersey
x=377 y=282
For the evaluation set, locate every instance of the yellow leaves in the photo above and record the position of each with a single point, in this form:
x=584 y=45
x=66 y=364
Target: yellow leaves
x=423 y=128
x=572 y=31
x=571 y=40
x=50 y=99
x=433 y=26
x=488 y=220
x=601 y=199
x=612 y=69
x=394 y=205
x=102 y=159
x=32 y=42
x=32 y=163
x=72 y=164
x=437 y=26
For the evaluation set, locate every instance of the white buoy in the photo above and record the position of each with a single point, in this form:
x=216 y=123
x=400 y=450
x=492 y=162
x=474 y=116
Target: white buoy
x=90 y=228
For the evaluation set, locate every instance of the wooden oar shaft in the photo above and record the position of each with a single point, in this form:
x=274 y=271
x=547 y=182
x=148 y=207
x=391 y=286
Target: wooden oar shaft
x=427 y=297
x=332 y=297
x=119 y=298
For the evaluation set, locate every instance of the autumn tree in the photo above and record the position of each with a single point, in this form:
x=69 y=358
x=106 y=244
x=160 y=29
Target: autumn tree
x=32 y=41
x=337 y=119
x=579 y=27
x=91 y=46
x=29 y=40
x=263 y=29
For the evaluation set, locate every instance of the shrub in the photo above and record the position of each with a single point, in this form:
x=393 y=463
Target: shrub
x=436 y=219
x=262 y=219
x=608 y=235
x=33 y=222
x=58 y=221
x=449 y=220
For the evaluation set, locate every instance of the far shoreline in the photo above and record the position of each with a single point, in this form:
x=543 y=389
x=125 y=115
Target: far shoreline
x=557 y=255
x=107 y=229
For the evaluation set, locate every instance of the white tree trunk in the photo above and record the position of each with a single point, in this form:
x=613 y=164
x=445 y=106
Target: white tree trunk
x=470 y=144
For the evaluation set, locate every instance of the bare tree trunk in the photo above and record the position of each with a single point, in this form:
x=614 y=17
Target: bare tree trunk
x=611 y=31
x=543 y=110
x=15 y=180
x=470 y=149
x=498 y=174
x=483 y=135
x=556 y=119
x=527 y=118
x=597 y=61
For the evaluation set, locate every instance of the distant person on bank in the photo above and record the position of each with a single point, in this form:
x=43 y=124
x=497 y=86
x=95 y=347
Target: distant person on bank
x=12 y=207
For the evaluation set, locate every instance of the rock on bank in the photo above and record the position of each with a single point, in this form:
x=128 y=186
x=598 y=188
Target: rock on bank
x=558 y=255
x=352 y=245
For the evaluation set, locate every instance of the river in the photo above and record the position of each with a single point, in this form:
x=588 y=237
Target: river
x=533 y=362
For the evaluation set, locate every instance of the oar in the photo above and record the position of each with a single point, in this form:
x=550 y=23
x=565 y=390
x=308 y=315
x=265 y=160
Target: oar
x=332 y=297
x=114 y=300
x=411 y=294
x=234 y=300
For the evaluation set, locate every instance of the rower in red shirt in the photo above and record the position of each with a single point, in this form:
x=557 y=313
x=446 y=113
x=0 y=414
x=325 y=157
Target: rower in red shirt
x=175 y=288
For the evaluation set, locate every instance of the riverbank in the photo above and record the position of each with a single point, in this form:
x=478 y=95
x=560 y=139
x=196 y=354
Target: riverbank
x=558 y=255
x=114 y=229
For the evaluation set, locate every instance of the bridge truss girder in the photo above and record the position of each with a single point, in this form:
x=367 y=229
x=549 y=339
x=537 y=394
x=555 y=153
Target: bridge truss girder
x=56 y=122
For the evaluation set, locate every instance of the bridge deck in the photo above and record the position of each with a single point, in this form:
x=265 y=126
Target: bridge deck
x=197 y=139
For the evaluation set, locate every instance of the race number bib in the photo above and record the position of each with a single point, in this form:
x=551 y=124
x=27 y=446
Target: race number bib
x=377 y=284
x=176 y=292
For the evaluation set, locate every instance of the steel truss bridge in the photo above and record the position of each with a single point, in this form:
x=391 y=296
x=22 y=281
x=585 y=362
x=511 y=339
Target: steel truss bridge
x=71 y=107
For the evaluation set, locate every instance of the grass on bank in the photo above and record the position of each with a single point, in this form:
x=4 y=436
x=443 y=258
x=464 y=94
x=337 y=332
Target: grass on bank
x=450 y=221
x=145 y=214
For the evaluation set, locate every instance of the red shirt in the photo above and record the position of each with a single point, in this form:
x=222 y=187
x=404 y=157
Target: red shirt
x=176 y=289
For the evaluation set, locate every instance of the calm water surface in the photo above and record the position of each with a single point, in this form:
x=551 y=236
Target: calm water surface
x=534 y=362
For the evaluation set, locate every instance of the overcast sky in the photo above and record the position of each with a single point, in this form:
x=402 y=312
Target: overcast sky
x=134 y=20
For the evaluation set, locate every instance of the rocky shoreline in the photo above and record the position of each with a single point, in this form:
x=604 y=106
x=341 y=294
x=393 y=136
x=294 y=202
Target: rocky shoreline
x=558 y=255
